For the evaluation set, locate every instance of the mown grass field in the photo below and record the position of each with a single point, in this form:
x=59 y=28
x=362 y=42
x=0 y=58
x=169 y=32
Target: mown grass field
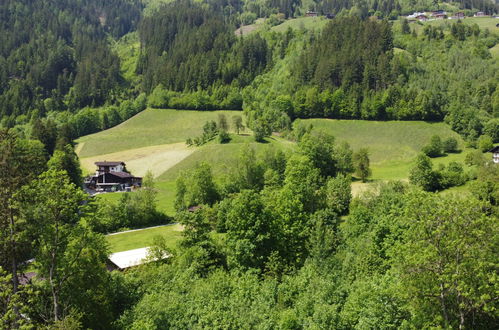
x=141 y=238
x=151 y=127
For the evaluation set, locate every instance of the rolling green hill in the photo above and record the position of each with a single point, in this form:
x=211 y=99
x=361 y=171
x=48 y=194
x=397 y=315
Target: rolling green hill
x=154 y=140
x=149 y=128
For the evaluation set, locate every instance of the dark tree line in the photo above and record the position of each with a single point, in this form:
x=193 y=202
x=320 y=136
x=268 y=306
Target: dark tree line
x=48 y=47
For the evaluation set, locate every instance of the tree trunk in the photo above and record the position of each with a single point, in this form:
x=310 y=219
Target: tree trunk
x=442 y=303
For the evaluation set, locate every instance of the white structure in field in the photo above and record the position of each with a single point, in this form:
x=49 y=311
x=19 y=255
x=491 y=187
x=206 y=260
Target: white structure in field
x=131 y=258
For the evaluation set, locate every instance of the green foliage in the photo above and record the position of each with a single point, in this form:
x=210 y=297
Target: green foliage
x=223 y=137
x=338 y=194
x=249 y=234
x=67 y=160
x=361 y=164
x=434 y=148
x=450 y=145
x=491 y=129
x=475 y=157
x=448 y=279
x=261 y=130
x=320 y=149
x=237 y=122
x=133 y=210
x=195 y=188
x=423 y=175
x=485 y=143
x=68 y=254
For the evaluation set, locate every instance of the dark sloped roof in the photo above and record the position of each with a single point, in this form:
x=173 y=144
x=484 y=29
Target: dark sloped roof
x=495 y=149
x=105 y=163
x=121 y=174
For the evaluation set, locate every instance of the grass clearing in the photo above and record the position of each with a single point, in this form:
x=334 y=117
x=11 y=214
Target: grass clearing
x=482 y=22
x=128 y=50
x=248 y=29
x=388 y=141
x=148 y=128
x=300 y=23
x=145 y=237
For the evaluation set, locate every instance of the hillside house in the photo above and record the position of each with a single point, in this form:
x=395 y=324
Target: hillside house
x=418 y=17
x=480 y=14
x=459 y=15
x=112 y=176
x=311 y=14
x=439 y=14
x=495 y=154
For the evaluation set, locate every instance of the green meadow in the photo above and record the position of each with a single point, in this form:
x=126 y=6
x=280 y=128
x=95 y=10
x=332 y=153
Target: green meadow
x=154 y=140
x=144 y=237
x=149 y=128
x=300 y=23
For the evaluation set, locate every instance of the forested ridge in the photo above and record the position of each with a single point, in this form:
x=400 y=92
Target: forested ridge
x=279 y=240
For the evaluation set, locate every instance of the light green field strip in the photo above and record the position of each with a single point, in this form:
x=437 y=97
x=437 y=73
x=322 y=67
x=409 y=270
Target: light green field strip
x=149 y=128
x=145 y=237
x=482 y=22
x=156 y=159
x=387 y=141
x=308 y=23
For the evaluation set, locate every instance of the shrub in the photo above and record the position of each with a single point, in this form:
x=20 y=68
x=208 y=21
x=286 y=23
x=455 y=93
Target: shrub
x=453 y=175
x=485 y=143
x=450 y=145
x=223 y=137
x=434 y=149
x=474 y=158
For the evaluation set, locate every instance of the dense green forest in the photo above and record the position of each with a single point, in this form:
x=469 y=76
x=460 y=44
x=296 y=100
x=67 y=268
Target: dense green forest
x=279 y=241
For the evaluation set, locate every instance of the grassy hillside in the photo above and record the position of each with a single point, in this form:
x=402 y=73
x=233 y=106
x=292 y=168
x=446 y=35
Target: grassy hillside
x=482 y=22
x=386 y=140
x=154 y=140
x=308 y=23
x=149 y=128
x=392 y=145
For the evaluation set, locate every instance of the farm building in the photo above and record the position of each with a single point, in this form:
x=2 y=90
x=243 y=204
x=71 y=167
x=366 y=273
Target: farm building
x=131 y=258
x=311 y=14
x=112 y=176
x=418 y=17
x=495 y=154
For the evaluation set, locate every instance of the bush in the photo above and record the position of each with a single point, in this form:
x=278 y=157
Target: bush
x=158 y=98
x=485 y=143
x=261 y=130
x=450 y=145
x=223 y=137
x=434 y=149
x=248 y=18
x=453 y=175
x=474 y=158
